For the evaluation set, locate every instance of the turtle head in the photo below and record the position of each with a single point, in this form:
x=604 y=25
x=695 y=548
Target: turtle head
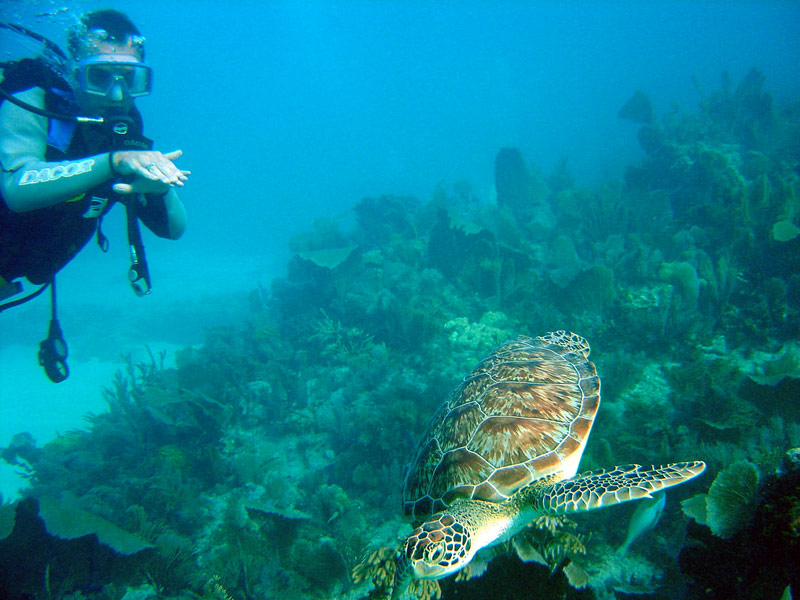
x=440 y=546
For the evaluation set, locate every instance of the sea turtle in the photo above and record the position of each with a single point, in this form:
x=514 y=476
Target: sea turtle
x=504 y=449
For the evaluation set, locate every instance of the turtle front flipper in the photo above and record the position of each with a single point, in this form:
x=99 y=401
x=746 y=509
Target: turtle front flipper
x=605 y=487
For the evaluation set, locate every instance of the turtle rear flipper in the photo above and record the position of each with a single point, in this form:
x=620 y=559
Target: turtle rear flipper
x=605 y=487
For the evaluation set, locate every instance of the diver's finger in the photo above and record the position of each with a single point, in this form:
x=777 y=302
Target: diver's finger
x=174 y=176
x=142 y=186
x=175 y=154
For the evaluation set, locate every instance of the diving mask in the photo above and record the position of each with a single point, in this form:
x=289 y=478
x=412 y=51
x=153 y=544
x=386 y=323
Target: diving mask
x=97 y=36
x=99 y=73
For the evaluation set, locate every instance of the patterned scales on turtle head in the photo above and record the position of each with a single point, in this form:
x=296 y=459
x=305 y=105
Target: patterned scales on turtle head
x=505 y=448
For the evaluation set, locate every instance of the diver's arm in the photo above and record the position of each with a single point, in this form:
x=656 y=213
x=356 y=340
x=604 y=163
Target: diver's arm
x=176 y=215
x=164 y=214
x=27 y=181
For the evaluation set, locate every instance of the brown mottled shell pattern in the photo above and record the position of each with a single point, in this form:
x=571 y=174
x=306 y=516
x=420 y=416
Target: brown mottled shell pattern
x=524 y=413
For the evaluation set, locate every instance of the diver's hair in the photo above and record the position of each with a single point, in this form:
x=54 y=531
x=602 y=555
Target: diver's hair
x=116 y=23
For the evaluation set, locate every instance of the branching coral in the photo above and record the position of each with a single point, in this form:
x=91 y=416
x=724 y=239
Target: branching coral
x=378 y=567
x=550 y=541
x=339 y=342
x=213 y=590
x=425 y=589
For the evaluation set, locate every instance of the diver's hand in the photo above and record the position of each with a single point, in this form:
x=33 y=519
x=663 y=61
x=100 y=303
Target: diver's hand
x=149 y=165
x=140 y=185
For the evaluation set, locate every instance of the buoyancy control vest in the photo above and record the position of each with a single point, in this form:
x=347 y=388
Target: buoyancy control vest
x=38 y=243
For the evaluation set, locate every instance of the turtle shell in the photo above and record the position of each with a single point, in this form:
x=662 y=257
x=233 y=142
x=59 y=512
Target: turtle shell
x=524 y=413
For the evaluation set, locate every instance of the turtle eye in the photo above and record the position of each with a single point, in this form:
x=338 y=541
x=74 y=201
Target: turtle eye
x=434 y=553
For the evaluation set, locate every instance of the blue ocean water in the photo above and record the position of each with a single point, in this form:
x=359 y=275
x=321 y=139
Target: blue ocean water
x=291 y=112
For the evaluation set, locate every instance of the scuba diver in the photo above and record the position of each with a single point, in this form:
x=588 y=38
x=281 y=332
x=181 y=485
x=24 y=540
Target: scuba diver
x=71 y=146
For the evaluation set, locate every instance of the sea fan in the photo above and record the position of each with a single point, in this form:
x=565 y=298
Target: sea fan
x=730 y=501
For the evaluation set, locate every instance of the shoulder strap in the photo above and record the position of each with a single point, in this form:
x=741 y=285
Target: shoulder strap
x=28 y=73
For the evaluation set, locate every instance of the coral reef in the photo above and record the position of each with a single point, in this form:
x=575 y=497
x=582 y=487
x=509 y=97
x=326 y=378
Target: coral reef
x=268 y=463
x=721 y=568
